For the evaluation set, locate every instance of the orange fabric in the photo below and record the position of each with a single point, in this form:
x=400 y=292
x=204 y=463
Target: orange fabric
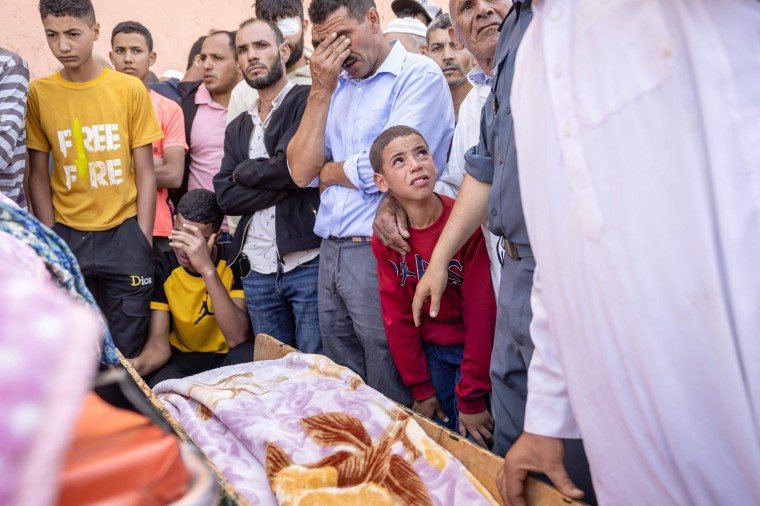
x=120 y=458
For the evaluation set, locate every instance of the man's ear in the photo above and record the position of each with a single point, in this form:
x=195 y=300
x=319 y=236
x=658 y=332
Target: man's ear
x=455 y=38
x=380 y=182
x=284 y=53
x=374 y=20
x=151 y=58
x=110 y=57
x=96 y=30
x=305 y=25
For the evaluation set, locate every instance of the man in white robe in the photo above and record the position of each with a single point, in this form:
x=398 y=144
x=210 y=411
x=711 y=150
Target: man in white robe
x=638 y=139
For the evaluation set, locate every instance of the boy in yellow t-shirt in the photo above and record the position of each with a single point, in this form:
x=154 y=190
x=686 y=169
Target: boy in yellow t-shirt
x=100 y=198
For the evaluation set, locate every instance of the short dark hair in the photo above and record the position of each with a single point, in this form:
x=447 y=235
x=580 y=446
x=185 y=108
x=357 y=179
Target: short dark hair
x=195 y=50
x=320 y=10
x=272 y=10
x=442 y=22
x=81 y=9
x=385 y=138
x=133 y=27
x=278 y=37
x=229 y=34
x=200 y=206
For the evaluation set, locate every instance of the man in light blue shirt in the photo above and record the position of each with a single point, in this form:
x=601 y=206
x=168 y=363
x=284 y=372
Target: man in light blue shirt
x=380 y=85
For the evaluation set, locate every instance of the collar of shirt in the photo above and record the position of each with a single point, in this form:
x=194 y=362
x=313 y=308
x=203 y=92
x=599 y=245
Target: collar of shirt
x=254 y=109
x=392 y=64
x=478 y=76
x=203 y=97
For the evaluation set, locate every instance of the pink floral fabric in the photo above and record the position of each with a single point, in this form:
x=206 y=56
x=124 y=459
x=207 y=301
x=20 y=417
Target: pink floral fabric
x=314 y=432
x=46 y=368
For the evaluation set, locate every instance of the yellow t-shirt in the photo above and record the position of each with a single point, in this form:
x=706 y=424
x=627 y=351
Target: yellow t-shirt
x=91 y=128
x=184 y=295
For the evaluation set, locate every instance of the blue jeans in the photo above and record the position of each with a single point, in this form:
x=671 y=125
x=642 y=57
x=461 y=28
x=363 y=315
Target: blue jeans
x=443 y=364
x=284 y=305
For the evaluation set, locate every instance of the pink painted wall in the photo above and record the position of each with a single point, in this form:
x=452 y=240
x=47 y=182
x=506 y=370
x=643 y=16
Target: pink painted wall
x=175 y=24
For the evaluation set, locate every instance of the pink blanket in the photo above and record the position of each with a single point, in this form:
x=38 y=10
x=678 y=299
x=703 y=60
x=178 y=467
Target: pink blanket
x=46 y=368
x=303 y=430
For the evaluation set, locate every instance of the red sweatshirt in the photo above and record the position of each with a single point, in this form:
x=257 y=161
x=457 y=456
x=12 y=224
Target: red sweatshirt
x=467 y=314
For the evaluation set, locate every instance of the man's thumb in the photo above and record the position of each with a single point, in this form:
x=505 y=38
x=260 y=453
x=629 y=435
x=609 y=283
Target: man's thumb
x=563 y=483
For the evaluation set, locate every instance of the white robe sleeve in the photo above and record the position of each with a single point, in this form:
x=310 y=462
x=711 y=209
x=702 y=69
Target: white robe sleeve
x=548 y=411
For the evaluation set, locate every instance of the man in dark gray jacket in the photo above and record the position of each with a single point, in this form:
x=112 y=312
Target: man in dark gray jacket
x=275 y=236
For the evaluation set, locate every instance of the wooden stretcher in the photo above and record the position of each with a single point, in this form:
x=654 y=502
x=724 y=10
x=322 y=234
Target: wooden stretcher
x=482 y=464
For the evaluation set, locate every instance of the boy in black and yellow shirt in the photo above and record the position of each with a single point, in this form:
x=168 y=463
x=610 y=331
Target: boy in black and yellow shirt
x=199 y=319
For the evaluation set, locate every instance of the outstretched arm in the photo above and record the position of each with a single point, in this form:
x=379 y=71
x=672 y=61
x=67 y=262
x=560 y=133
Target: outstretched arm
x=468 y=214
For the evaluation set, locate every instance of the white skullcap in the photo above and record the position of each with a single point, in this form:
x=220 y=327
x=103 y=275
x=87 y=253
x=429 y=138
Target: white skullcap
x=406 y=25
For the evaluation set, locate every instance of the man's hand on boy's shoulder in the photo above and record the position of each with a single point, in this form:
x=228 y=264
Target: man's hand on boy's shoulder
x=430 y=408
x=479 y=425
x=390 y=225
x=197 y=248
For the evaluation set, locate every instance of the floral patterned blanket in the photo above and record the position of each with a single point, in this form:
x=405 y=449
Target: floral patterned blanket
x=302 y=430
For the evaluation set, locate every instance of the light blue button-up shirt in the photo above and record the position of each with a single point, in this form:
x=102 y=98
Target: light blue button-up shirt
x=407 y=89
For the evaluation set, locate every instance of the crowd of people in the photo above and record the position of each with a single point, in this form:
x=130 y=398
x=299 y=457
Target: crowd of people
x=549 y=250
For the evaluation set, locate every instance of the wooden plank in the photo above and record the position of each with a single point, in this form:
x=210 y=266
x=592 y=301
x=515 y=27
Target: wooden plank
x=232 y=495
x=268 y=348
x=482 y=464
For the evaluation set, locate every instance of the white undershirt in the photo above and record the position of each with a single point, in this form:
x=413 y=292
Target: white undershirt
x=261 y=242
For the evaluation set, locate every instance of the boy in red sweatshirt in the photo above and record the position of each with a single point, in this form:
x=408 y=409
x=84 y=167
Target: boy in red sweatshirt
x=445 y=361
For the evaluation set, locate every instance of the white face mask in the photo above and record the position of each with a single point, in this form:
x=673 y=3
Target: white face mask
x=289 y=26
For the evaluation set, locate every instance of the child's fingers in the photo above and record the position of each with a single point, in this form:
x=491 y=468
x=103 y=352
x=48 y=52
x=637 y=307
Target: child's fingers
x=486 y=433
x=212 y=240
x=194 y=230
x=479 y=439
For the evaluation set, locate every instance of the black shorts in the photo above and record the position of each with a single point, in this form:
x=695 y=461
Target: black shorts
x=117 y=265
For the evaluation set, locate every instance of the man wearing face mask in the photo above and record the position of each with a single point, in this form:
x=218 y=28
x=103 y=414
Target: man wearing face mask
x=289 y=17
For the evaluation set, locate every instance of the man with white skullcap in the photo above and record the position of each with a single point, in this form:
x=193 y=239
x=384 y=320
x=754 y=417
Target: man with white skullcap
x=410 y=32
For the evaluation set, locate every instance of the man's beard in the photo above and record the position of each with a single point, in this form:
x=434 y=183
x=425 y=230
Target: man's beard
x=459 y=81
x=271 y=77
x=295 y=53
